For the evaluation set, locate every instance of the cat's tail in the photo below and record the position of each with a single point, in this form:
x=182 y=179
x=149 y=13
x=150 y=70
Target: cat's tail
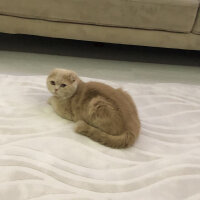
x=124 y=140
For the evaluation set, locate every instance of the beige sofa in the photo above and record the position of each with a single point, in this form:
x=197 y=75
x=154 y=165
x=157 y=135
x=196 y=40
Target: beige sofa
x=159 y=23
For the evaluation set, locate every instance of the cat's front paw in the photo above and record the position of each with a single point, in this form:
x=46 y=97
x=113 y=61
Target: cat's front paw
x=51 y=99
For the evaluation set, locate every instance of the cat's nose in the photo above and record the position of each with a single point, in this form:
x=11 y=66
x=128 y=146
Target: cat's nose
x=56 y=90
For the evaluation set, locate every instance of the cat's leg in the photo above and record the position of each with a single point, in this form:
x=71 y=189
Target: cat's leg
x=124 y=140
x=105 y=125
x=60 y=108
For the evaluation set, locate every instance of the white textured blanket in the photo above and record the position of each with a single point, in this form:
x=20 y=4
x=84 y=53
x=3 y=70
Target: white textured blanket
x=42 y=158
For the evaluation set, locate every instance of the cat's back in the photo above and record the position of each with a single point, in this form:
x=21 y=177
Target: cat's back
x=121 y=101
x=101 y=89
x=119 y=97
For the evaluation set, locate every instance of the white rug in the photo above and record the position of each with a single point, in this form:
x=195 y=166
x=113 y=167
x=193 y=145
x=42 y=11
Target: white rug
x=42 y=158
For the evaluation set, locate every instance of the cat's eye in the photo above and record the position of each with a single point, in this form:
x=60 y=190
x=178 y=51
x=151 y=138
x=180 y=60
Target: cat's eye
x=63 y=85
x=52 y=82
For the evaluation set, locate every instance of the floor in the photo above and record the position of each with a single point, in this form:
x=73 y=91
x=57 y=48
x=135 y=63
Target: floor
x=31 y=55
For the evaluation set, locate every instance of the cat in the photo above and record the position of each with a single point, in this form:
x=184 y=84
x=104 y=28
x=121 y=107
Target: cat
x=104 y=114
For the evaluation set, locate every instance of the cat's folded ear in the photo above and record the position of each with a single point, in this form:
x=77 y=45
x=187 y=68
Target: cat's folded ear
x=73 y=77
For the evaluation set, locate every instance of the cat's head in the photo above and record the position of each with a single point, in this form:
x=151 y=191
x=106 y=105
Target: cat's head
x=62 y=83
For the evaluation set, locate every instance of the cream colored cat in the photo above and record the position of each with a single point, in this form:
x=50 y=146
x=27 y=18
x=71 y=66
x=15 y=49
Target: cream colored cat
x=104 y=114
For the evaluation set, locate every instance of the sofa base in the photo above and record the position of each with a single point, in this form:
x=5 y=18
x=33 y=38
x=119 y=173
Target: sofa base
x=18 y=25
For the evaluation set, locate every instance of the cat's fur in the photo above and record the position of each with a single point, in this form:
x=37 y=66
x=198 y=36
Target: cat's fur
x=104 y=114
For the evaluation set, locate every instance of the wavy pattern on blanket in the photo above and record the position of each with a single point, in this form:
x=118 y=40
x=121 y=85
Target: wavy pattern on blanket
x=42 y=158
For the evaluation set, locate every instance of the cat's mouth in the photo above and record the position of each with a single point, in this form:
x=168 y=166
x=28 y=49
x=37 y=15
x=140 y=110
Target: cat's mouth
x=55 y=93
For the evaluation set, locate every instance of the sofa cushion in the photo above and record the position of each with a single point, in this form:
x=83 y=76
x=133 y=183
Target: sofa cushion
x=197 y=24
x=170 y=15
